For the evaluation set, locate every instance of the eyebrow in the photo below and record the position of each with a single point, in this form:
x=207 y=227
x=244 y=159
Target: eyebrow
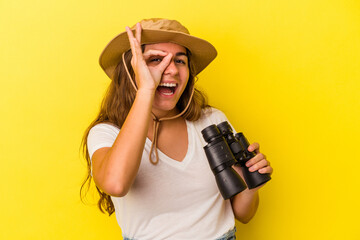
x=181 y=54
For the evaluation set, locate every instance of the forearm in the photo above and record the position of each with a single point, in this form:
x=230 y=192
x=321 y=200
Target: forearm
x=245 y=205
x=116 y=171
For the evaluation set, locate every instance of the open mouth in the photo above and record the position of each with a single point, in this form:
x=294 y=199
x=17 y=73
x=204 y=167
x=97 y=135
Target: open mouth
x=167 y=89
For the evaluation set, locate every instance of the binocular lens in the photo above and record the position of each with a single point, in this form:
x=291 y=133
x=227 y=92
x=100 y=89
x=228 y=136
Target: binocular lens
x=229 y=183
x=225 y=128
x=210 y=133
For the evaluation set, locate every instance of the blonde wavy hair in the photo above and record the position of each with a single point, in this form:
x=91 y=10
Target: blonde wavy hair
x=115 y=107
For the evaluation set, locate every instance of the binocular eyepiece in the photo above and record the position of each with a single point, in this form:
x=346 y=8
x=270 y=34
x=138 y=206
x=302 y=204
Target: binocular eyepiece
x=224 y=149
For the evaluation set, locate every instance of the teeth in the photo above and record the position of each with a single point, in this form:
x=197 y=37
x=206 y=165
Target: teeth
x=167 y=84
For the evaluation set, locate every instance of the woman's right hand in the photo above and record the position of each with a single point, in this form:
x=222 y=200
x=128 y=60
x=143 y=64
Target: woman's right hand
x=146 y=78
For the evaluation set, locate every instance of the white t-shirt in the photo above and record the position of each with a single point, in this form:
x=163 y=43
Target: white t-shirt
x=171 y=200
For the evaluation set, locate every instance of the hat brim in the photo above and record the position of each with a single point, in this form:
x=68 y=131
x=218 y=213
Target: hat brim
x=202 y=52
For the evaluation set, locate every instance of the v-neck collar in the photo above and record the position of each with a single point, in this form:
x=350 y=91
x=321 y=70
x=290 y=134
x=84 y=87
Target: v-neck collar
x=163 y=158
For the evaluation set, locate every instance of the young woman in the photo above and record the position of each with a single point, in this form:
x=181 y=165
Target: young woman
x=145 y=149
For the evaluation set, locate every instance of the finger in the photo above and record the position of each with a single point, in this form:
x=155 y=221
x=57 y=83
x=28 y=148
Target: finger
x=134 y=43
x=165 y=62
x=261 y=164
x=129 y=33
x=255 y=159
x=149 y=53
x=254 y=147
x=267 y=169
x=135 y=52
x=131 y=40
x=135 y=47
x=138 y=32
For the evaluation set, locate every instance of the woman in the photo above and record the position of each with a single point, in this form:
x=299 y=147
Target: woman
x=153 y=172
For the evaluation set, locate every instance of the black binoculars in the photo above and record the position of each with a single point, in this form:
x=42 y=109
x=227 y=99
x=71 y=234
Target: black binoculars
x=223 y=151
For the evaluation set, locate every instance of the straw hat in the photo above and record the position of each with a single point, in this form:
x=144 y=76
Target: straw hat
x=157 y=30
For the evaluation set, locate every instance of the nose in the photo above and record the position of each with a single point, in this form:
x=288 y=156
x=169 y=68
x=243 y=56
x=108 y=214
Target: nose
x=171 y=69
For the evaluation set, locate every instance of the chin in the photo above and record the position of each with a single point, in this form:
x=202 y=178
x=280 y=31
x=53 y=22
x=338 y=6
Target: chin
x=164 y=108
x=165 y=104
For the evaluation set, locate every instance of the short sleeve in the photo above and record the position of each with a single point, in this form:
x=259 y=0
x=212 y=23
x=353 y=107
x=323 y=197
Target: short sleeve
x=209 y=117
x=216 y=117
x=101 y=135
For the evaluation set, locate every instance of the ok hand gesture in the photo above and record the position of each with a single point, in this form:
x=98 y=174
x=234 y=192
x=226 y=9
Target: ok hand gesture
x=146 y=78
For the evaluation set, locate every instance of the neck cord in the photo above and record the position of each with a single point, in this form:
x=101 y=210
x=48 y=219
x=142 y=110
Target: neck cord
x=155 y=119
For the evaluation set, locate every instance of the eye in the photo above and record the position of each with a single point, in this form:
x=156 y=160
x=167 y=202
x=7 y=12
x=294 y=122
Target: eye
x=153 y=61
x=180 y=61
x=156 y=59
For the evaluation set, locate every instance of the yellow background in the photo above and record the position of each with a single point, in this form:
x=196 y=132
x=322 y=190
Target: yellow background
x=287 y=75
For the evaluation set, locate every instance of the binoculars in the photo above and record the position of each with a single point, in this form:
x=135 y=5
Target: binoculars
x=223 y=150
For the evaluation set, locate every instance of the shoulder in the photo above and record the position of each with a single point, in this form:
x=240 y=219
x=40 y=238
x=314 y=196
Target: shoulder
x=105 y=127
x=213 y=114
x=101 y=135
x=210 y=116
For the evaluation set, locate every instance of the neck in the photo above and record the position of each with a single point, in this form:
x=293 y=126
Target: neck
x=159 y=114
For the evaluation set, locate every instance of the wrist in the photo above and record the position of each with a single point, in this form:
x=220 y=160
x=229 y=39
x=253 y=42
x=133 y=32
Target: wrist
x=250 y=192
x=145 y=92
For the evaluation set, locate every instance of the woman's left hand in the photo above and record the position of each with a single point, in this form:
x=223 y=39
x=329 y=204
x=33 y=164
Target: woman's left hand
x=259 y=162
x=245 y=203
